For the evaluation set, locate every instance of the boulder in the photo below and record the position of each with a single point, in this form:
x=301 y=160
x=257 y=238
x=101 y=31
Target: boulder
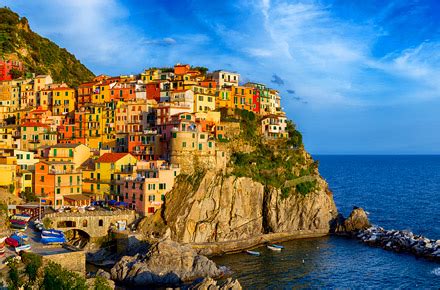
x=357 y=220
x=165 y=263
x=211 y=284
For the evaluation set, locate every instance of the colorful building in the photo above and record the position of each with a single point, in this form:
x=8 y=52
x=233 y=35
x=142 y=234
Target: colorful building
x=56 y=179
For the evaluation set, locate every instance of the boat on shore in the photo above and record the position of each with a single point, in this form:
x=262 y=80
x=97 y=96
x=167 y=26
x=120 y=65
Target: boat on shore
x=274 y=248
x=252 y=253
x=22 y=248
x=52 y=237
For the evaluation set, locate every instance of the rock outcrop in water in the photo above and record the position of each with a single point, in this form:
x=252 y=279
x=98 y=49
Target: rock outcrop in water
x=401 y=242
x=357 y=220
x=165 y=263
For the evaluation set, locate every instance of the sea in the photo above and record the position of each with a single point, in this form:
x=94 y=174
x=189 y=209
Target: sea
x=398 y=192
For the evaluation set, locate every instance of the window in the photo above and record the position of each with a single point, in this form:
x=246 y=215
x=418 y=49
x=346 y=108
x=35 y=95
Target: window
x=28 y=156
x=58 y=190
x=210 y=144
x=42 y=191
x=42 y=178
x=141 y=197
x=100 y=223
x=183 y=144
x=70 y=153
x=84 y=223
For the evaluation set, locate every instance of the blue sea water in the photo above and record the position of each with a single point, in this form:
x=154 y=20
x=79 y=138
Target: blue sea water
x=399 y=192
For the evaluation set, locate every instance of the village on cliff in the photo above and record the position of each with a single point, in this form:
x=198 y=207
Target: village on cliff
x=121 y=139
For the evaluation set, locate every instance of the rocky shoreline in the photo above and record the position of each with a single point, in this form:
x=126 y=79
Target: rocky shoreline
x=400 y=242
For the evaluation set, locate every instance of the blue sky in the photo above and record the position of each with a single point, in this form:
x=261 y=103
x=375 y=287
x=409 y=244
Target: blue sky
x=357 y=77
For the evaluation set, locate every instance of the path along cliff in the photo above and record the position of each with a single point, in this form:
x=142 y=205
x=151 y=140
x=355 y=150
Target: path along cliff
x=265 y=190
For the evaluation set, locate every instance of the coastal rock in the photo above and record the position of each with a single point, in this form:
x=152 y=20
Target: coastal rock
x=218 y=208
x=211 y=284
x=165 y=263
x=400 y=242
x=356 y=221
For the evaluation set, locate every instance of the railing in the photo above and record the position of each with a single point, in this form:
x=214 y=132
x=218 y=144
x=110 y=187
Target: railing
x=67 y=171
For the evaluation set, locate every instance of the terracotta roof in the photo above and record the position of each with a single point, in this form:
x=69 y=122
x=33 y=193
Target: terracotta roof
x=110 y=157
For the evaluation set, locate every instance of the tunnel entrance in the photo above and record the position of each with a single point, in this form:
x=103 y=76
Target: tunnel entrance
x=77 y=238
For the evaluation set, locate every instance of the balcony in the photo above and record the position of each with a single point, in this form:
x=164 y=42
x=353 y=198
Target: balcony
x=69 y=171
x=34 y=141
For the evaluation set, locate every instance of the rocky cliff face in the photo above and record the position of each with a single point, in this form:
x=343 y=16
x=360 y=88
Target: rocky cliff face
x=215 y=207
x=267 y=189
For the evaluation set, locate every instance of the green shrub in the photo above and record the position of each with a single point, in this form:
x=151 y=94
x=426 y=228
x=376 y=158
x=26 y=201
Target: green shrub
x=306 y=187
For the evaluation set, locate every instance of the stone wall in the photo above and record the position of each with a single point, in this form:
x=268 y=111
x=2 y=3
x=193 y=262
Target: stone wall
x=72 y=261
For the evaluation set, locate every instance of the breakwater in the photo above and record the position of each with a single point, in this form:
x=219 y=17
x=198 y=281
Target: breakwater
x=400 y=242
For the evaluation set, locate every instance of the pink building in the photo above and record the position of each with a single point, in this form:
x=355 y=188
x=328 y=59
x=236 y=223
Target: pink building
x=146 y=192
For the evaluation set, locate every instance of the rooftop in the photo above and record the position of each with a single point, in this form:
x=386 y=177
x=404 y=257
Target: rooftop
x=111 y=157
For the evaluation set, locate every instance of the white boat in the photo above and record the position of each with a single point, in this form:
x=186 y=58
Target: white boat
x=272 y=248
x=26 y=247
x=252 y=253
x=277 y=246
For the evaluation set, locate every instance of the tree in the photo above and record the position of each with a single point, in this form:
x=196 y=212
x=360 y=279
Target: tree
x=32 y=263
x=101 y=284
x=57 y=278
x=15 y=73
x=14 y=280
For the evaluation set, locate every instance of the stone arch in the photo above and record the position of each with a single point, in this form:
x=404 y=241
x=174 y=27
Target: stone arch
x=78 y=238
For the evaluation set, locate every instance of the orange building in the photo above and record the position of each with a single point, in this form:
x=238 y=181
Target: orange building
x=56 y=179
x=181 y=69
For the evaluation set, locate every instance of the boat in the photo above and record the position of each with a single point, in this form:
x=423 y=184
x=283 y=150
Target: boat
x=53 y=240
x=277 y=246
x=90 y=208
x=19 y=237
x=52 y=232
x=12 y=242
x=252 y=253
x=272 y=248
x=25 y=248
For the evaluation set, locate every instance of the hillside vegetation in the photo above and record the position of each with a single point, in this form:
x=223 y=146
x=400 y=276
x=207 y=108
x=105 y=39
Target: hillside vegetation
x=39 y=54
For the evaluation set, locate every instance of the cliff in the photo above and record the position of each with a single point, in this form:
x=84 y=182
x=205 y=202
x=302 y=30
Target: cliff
x=268 y=190
x=38 y=54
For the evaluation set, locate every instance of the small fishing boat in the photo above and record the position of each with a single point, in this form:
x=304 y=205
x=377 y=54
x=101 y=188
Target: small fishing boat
x=53 y=240
x=25 y=248
x=20 y=235
x=277 y=246
x=272 y=248
x=252 y=253
x=19 y=238
x=12 y=242
x=52 y=232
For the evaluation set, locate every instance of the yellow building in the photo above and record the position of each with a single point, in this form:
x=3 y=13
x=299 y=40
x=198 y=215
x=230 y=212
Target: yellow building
x=242 y=97
x=35 y=135
x=8 y=169
x=41 y=81
x=101 y=94
x=25 y=159
x=150 y=76
x=204 y=99
x=8 y=136
x=75 y=153
x=109 y=171
x=63 y=101
x=224 y=99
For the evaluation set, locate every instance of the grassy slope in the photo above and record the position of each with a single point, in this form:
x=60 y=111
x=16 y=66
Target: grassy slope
x=39 y=54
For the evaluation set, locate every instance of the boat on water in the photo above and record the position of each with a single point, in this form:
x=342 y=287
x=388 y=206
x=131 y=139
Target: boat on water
x=25 y=248
x=273 y=248
x=252 y=253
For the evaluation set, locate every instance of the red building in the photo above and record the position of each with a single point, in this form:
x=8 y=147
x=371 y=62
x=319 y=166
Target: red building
x=153 y=91
x=6 y=66
x=256 y=101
